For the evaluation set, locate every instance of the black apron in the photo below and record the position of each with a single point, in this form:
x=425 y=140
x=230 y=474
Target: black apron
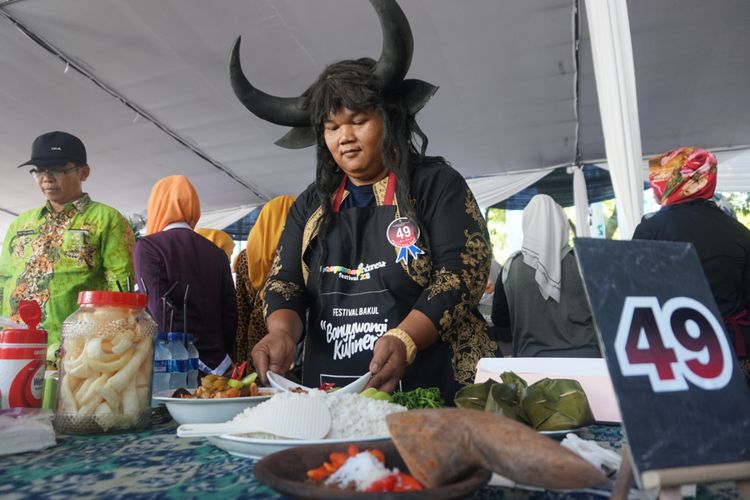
x=359 y=292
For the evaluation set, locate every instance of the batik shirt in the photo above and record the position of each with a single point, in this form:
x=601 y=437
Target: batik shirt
x=49 y=257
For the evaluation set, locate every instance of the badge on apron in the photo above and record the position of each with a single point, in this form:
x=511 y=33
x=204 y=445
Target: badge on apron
x=403 y=233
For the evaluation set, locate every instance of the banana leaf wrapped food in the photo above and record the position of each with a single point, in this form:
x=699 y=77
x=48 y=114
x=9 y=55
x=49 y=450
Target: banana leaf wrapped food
x=556 y=404
x=547 y=405
x=491 y=396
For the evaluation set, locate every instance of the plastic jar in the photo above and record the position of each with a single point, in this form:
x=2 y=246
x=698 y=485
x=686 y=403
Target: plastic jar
x=22 y=360
x=107 y=359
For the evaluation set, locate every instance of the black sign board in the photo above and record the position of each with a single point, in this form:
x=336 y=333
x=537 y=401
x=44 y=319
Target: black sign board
x=684 y=401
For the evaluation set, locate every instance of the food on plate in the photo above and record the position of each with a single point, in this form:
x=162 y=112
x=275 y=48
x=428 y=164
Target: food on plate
x=419 y=398
x=547 y=405
x=213 y=386
x=441 y=446
x=373 y=393
x=362 y=471
x=298 y=390
x=217 y=387
x=353 y=416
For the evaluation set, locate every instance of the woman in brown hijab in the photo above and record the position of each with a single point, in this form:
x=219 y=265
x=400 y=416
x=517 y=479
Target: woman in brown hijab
x=251 y=267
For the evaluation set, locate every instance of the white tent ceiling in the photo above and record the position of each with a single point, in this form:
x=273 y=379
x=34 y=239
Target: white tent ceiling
x=147 y=88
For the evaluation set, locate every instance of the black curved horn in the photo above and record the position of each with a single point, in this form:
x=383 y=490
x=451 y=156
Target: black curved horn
x=398 y=43
x=279 y=110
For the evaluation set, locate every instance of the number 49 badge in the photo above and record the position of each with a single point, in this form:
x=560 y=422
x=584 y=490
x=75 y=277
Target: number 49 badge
x=403 y=234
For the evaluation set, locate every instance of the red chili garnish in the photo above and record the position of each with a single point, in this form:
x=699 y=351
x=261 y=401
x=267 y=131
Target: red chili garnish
x=319 y=473
x=378 y=455
x=398 y=481
x=337 y=459
x=385 y=484
x=326 y=386
x=238 y=370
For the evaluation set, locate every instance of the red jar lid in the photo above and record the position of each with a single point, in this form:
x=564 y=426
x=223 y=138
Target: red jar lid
x=103 y=298
x=21 y=336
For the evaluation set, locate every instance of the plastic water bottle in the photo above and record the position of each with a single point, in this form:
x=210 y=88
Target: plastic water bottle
x=192 y=372
x=162 y=358
x=178 y=363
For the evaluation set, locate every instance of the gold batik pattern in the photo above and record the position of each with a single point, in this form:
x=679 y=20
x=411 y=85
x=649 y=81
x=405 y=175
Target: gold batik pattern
x=276 y=264
x=311 y=231
x=379 y=189
x=286 y=289
x=477 y=258
x=468 y=339
x=469 y=344
x=443 y=281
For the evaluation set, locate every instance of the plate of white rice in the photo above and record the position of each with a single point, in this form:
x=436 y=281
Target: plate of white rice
x=353 y=418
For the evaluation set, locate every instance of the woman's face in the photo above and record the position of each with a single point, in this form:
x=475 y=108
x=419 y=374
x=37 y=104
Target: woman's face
x=354 y=139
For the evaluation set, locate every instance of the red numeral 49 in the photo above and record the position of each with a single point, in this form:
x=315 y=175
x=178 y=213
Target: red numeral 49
x=672 y=345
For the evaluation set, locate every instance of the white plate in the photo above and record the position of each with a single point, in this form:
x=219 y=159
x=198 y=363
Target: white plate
x=561 y=432
x=258 y=448
x=209 y=411
x=284 y=384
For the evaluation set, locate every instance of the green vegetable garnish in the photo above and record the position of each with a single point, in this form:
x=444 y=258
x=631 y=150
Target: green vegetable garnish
x=249 y=379
x=418 y=398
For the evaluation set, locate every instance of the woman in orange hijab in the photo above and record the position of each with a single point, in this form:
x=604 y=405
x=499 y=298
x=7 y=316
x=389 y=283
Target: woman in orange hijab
x=251 y=267
x=172 y=257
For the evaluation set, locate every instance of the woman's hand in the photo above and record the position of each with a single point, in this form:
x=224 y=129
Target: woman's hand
x=277 y=349
x=388 y=364
x=274 y=352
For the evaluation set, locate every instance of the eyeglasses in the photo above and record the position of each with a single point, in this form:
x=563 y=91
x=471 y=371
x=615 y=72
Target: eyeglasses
x=57 y=173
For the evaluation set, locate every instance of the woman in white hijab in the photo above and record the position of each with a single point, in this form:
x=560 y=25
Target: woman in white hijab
x=540 y=293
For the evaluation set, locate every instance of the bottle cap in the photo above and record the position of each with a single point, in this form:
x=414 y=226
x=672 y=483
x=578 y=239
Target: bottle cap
x=106 y=298
x=176 y=337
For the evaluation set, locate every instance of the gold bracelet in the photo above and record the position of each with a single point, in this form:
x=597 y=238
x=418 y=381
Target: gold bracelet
x=411 y=347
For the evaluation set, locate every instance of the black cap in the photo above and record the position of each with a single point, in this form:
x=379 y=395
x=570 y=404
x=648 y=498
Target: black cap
x=56 y=148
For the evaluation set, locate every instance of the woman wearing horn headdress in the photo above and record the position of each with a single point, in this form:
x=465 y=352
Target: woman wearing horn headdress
x=386 y=254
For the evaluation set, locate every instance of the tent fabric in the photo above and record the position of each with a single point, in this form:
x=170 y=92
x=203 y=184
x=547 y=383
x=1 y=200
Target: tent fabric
x=493 y=189
x=581 y=199
x=222 y=219
x=145 y=85
x=612 y=53
x=559 y=185
x=241 y=227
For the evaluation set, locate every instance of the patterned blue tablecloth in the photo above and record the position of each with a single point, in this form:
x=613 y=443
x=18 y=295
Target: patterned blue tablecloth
x=157 y=464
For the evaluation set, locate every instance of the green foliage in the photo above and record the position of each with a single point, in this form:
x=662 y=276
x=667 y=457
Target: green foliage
x=741 y=204
x=498 y=233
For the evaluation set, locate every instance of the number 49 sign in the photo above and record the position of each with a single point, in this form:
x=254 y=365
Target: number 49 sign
x=673 y=344
x=682 y=397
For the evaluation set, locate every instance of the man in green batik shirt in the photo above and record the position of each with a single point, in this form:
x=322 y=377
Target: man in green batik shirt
x=69 y=245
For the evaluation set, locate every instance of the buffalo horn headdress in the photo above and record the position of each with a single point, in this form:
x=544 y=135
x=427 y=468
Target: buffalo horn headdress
x=390 y=69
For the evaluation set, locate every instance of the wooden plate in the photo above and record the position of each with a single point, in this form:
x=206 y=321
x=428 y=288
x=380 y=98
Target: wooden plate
x=285 y=471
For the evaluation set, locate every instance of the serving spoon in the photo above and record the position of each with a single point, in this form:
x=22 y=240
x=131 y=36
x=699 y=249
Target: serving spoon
x=294 y=418
x=285 y=384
